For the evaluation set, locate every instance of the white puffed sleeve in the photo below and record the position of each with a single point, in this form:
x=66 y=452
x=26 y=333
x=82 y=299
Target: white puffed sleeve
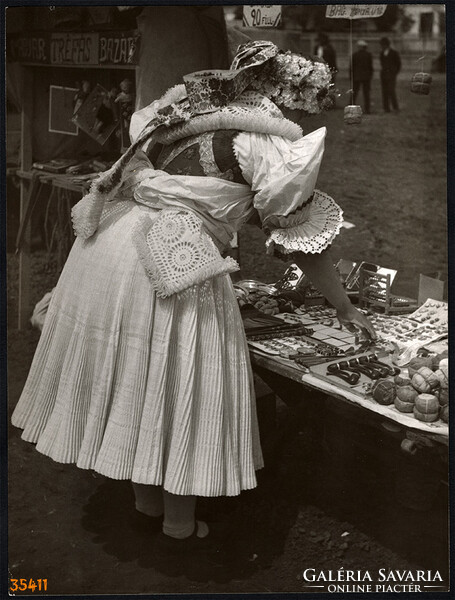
x=283 y=175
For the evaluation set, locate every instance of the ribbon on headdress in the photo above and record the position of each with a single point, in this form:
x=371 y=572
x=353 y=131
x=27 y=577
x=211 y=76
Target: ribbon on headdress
x=207 y=91
x=211 y=90
x=253 y=53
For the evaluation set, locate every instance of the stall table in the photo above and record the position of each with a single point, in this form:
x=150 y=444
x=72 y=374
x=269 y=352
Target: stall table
x=58 y=183
x=292 y=384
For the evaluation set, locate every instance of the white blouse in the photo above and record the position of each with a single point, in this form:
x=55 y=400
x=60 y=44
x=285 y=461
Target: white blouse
x=283 y=176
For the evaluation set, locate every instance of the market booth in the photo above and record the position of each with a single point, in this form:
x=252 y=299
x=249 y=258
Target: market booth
x=393 y=390
x=86 y=78
x=74 y=77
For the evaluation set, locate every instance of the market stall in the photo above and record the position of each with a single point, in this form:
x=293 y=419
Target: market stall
x=400 y=380
x=74 y=120
x=75 y=75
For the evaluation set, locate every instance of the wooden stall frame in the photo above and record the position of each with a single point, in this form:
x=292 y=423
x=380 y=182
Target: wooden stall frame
x=26 y=163
x=24 y=172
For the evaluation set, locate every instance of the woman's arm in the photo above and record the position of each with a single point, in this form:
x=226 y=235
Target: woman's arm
x=320 y=269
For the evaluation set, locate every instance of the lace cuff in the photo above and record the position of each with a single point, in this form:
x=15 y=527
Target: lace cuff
x=177 y=253
x=322 y=222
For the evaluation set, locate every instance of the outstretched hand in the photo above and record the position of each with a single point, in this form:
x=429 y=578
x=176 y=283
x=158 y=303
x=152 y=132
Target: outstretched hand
x=356 y=321
x=320 y=269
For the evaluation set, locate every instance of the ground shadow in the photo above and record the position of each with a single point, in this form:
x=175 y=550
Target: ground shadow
x=258 y=522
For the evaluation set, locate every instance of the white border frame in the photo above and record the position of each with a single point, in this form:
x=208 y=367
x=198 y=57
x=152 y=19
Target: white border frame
x=61 y=87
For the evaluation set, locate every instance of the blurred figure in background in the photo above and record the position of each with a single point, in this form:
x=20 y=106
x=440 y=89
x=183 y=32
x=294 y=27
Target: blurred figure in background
x=439 y=63
x=326 y=51
x=361 y=74
x=390 y=67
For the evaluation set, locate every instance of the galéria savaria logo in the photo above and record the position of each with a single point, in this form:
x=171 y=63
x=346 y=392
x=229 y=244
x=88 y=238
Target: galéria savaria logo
x=381 y=580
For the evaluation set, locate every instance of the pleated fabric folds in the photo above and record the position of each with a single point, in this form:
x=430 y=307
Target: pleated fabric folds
x=156 y=390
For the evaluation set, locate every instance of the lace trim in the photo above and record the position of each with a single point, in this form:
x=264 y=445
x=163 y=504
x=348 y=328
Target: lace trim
x=207 y=158
x=299 y=215
x=113 y=209
x=87 y=212
x=232 y=117
x=177 y=253
x=314 y=235
x=253 y=99
x=206 y=155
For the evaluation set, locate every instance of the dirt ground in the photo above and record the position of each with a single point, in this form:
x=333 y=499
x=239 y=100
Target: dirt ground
x=336 y=491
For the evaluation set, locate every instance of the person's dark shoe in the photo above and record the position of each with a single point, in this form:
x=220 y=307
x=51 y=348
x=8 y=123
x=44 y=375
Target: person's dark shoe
x=144 y=524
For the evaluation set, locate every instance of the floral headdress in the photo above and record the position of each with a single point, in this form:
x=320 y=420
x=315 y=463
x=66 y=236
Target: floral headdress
x=293 y=81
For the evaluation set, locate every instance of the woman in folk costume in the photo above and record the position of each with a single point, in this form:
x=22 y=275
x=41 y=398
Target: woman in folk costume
x=142 y=370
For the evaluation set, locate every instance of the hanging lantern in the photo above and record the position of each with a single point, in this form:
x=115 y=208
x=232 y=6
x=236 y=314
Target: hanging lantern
x=353 y=114
x=420 y=83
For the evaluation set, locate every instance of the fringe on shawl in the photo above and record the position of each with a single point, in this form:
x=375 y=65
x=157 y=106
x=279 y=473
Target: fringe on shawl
x=86 y=214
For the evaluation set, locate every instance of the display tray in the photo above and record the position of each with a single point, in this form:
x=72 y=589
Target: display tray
x=399 y=335
x=302 y=350
x=251 y=285
x=439 y=428
x=362 y=390
x=324 y=330
x=404 y=333
x=289 y=369
x=259 y=326
x=364 y=383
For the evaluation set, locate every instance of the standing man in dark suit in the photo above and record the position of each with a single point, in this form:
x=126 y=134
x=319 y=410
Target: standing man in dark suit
x=390 y=67
x=362 y=73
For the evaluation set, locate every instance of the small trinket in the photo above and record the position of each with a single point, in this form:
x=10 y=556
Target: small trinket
x=353 y=114
x=305 y=351
x=288 y=353
x=384 y=391
x=420 y=83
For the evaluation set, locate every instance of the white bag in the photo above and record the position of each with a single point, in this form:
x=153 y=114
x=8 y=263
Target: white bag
x=40 y=310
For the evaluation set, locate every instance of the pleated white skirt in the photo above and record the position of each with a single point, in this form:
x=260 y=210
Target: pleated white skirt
x=137 y=387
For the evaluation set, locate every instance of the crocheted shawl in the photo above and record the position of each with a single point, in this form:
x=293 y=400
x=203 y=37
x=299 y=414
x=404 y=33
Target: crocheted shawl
x=177 y=115
x=251 y=112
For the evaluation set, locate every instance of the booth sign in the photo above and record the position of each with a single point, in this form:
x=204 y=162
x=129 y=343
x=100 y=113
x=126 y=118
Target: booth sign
x=354 y=11
x=261 y=15
x=76 y=48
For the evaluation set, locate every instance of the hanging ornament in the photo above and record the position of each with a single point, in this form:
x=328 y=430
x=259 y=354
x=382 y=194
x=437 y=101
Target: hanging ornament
x=353 y=114
x=420 y=83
